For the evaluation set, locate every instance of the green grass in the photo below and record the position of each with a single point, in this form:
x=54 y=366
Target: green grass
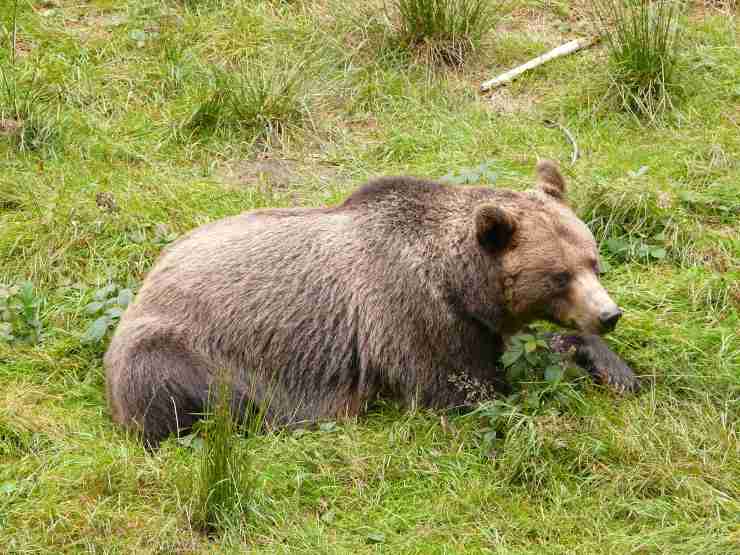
x=120 y=173
x=225 y=479
x=643 y=41
x=445 y=30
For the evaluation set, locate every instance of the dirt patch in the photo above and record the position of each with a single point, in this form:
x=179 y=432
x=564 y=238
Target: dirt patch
x=22 y=47
x=284 y=176
x=503 y=101
x=699 y=9
x=547 y=27
x=276 y=173
x=94 y=26
x=10 y=126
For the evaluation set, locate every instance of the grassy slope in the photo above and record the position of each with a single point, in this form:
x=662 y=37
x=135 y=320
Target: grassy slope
x=655 y=473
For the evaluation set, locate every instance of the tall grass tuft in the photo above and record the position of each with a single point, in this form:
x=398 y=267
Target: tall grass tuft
x=446 y=31
x=26 y=116
x=642 y=38
x=260 y=100
x=225 y=479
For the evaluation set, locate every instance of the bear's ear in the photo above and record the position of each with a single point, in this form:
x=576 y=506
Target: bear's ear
x=549 y=179
x=494 y=227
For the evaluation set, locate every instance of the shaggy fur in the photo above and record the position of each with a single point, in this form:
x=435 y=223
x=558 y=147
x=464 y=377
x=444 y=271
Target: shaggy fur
x=315 y=312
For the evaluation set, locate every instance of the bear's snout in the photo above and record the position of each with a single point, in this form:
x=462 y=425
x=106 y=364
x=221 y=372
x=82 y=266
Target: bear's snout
x=609 y=318
x=588 y=307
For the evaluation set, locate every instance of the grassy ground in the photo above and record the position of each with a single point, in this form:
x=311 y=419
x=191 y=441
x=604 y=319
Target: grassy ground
x=125 y=123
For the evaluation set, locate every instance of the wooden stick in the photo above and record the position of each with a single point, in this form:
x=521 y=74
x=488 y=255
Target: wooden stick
x=569 y=136
x=562 y=50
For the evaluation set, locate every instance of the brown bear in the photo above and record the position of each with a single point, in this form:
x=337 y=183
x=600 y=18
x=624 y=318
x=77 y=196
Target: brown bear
x=317 y=311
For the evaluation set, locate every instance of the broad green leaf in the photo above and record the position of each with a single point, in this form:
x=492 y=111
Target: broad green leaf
x=510 y=357
x=532 y=358
x=125 y=296
x=137 y=35
x=6 y=331
x=532 y=401
x=94 y=307
x=515 y=372
x=27 y=290
x=553 y=374
x=104 y=292
x=375 y=537
x=616 y=246
x=97 y=330
x=8 y=487
x=114 y=312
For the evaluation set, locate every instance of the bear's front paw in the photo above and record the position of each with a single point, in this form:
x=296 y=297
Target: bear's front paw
x=605 y=367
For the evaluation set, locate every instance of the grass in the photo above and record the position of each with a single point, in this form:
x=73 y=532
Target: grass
x=26 y=116
x=260 y=102
x=566 y=470
x=643 y=41
x=446 y=31
x=225 y=480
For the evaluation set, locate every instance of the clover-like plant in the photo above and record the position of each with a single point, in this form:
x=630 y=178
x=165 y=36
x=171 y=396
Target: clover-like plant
x=108 y=305
x=19 y=314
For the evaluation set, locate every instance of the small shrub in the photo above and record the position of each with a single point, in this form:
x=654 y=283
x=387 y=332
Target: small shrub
x=19 y=314
x=641 y=36
x=520 y=433
x=529 y=354
x=446 y=30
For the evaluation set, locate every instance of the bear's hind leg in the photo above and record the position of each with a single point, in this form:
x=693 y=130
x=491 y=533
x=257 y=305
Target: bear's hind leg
x=156 y=386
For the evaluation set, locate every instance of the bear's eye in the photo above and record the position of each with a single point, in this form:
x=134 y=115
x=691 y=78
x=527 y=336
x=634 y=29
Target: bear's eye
x=562 y=279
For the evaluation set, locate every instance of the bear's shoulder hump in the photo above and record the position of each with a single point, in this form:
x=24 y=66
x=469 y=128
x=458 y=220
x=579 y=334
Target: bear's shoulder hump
x=395 y=186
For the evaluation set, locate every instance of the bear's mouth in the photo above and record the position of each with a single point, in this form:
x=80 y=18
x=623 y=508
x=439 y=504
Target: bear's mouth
x=572 y=325
x=593 y=329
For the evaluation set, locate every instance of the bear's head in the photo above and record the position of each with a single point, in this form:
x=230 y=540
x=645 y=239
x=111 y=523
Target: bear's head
x=543 y=258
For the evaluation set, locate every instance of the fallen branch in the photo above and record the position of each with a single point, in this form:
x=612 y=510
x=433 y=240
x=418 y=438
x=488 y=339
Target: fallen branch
x=562 y=50
x=569 y=136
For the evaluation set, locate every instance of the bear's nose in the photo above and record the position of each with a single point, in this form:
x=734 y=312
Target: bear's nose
x=609 y=318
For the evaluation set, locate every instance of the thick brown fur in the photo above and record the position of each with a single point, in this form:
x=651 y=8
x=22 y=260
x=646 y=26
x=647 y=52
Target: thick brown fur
x=315 y=312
